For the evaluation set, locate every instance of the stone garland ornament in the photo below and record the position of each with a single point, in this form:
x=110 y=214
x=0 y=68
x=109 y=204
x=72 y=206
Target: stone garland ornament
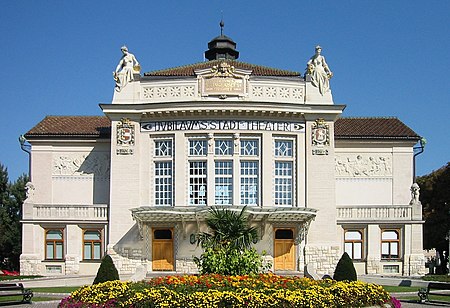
x=317 y=68
x=320 y=137
x=125 y=137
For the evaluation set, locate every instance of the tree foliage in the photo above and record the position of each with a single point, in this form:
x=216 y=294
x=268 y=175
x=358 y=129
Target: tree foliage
x=12 y=196
x=435 y=198
x=228 y=247
x=345 y=270
x=107 y=271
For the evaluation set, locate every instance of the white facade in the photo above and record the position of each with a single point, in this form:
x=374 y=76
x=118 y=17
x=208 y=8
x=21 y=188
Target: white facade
x=228 y=136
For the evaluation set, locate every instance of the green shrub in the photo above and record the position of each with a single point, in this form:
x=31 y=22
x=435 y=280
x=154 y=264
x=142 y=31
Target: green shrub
x=345 y=270
x=107 y=271
x=230 y=261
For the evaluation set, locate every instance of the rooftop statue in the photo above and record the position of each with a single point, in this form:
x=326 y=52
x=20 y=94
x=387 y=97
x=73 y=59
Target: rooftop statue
x=319 y=71
x=128 y=65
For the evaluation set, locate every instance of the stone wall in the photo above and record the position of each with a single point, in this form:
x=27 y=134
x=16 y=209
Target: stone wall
x=323 y=258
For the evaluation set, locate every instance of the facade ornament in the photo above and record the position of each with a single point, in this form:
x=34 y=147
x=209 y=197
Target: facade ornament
x=125 y=70
x=125 y=137
x=320 y=137
x=317 y=68
x=415 y=193
x=363 y=165
x=29 y=191
x=223 y=70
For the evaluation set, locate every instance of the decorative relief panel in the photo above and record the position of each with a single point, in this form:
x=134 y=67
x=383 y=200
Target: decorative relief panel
x=320 y=137
x=363 y=165
x=274 y=92
x=168 y=92
x=96 y=164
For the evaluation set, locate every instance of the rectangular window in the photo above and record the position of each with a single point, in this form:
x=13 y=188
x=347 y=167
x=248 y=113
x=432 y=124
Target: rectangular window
x=283 y=183
x=54 y=244
x=163 y=183
x=163 y=172
x=163 y=148
x=198 y=147
x=223 y=147
x=92 y=245
x=283 y=148
x=223 y=183
x=353 y=244
x=249 y=147
x=249 y=182
x=390 y=244
x=197 y=183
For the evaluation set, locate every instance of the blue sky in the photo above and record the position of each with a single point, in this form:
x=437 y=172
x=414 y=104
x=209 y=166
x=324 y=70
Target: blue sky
x=389 y=58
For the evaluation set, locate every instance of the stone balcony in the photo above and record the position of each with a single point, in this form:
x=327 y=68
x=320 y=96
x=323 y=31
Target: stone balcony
x=65 y=212
x=374 y=213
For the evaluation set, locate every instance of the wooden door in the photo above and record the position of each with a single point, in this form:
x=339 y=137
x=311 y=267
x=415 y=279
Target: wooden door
x=162 y=250
x=284 y=253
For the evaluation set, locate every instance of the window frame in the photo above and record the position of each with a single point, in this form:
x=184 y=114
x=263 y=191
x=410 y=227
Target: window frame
x=92 y=244
x=398 y=241
x=352 y=242
x=159 y=188
x=279 y=158
x=54 y=244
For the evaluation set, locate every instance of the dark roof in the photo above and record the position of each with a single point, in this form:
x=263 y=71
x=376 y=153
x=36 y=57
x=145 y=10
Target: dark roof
x=373 y=128
x=72 y=126
x=257 y=70
x=100 y=127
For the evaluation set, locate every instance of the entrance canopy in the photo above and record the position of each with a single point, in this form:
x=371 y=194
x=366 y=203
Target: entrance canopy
x=183 y=214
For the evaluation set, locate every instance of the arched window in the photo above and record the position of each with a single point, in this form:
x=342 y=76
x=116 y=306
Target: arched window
x=390 y=244
x=353 y=244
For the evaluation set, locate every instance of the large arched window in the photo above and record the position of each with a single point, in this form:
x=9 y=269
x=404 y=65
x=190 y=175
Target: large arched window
x=390 y=244
x=353 y=242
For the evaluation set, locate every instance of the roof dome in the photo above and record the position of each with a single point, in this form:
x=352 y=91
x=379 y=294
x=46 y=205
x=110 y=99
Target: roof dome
x=221 y=47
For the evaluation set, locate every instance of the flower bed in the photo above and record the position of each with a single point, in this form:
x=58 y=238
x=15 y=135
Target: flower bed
x=265 y=290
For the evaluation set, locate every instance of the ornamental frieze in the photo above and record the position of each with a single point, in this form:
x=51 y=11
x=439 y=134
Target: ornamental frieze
x=96 y=164
x=363 y=165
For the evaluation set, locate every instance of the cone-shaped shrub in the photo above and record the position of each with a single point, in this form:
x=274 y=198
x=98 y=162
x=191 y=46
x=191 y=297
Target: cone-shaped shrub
x=107 y=271
x=345 y=270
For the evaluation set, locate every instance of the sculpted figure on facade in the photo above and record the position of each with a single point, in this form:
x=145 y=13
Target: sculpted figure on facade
x=93 y=163
x=319 y=71
x=125 y=70
x=415 y=193
x=29 y=191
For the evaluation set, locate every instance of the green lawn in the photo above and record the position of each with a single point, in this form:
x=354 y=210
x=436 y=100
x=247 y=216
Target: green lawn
x=54 y=289
x=4 y=278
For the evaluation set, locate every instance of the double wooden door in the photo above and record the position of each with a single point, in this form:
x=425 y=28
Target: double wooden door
x=284 y=252
x=162 y=250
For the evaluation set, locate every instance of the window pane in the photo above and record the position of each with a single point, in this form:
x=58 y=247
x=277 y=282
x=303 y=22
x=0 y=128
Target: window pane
x=87 y=251
x=283 y=183
x=164 y=234
x=97 y=251
x=249 y=182
x=92 y=235
x=349 y=249
x=281 y=234
x=283 y=148
x=163 y=183
x=197 y=183
x=50 y=254
x=385 y=248
x=54 y=235
x=357 y=252
x=394 y=249
x=163 y=148
x=249 y=147
x=59 y=250
x=197 y=147
x=353 y=235
x=389 y=235
x=223 y=182
x=223 y=147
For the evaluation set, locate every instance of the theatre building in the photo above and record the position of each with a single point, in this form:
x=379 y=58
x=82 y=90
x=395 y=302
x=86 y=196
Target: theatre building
x=138 y=182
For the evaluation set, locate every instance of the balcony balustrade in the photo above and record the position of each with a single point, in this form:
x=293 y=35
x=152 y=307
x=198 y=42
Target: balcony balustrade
x=93 y=212
x=377 y=212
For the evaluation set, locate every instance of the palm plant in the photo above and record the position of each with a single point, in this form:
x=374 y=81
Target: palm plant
x=230 y=229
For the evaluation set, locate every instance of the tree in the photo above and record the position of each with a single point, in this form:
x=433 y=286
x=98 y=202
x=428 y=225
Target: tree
x=228 y=248
x=107 y=271
x=12 y=196
x=228 y=228
x=345 y=270
x=435 y=198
